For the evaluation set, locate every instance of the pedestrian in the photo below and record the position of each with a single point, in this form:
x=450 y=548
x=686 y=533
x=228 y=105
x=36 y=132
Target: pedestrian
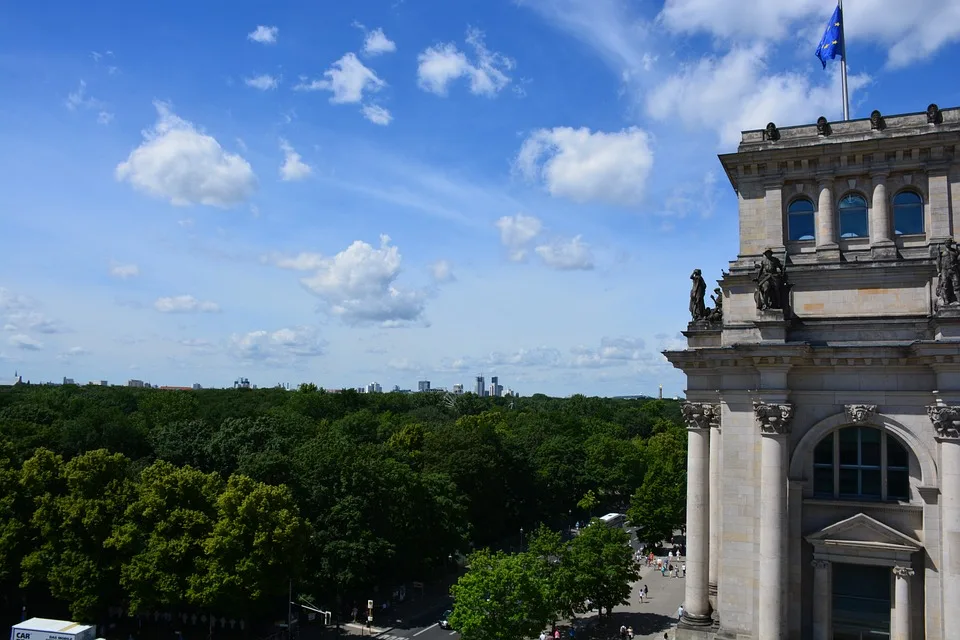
x=623 y=632
x=556 y=633
x=571 y=633
x=676 y=571
x=684 y=569
x=641 y=593
x=679 y=613
x=630 y=632
x=543 y=635
x=353 y=612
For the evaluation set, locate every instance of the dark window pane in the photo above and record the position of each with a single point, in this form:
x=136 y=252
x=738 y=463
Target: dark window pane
x=898 y=484
x=870 y=447
x=907 y=213
x=853 y=217
x=823 y=481
x=848 y=446
x=801 y=226
x=823 y=454
x=896 y=454
x=849 y=482
x=870 y=483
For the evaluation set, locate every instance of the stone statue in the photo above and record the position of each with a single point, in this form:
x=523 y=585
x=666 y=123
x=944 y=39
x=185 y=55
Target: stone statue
x=934 y=116
x=697 y=291
x=771 y=132
x=716 y=315
x=771 y=283
x=948 y=272
x=876 y=121
x=823 y=127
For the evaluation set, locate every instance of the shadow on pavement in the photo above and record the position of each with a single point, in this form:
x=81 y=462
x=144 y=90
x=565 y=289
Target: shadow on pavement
x=642 y=623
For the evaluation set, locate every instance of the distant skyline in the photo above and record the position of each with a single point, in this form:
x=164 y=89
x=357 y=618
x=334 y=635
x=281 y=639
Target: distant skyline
x=349 y=192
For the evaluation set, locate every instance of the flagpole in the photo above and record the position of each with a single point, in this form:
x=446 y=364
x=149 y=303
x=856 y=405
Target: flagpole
x=843 y=67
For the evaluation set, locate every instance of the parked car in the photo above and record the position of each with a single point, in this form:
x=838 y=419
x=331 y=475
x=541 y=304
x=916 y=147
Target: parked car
x=444 y=621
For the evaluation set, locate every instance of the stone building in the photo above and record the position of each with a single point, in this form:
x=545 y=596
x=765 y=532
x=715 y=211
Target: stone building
x=823 y=495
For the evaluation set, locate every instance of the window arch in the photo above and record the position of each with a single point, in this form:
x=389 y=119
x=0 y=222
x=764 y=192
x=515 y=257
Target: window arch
x=907 y=213
x=800 y=220
x=853 y=216
x=861 y=463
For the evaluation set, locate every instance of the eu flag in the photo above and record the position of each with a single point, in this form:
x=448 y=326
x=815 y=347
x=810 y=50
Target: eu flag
x=831 y=44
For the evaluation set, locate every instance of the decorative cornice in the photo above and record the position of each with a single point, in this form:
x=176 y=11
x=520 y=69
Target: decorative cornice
x=700 y=415
x=860 y=413
x=946 y=420
x=820 y=564
x=903 y=572
x=773 y=419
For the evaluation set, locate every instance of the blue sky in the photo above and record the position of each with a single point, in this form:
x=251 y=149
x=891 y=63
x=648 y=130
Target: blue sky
x=394 y=190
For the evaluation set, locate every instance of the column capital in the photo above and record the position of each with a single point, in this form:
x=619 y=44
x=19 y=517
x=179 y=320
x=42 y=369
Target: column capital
x=946 y=421
x=700 y=415
x=903 y=573
x=773 y=419
x=820 y=565
x=879 y=177
x=825 y=180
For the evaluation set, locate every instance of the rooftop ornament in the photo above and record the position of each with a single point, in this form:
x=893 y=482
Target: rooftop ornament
x=934 y=115
x=771 y=132
x=823 y=127
x=876 y=121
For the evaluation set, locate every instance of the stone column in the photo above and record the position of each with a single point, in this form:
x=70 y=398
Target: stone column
x=774 y=422
x=696 y=606
x=827 y=247
x=714 y=571
x=946 y=419
x=822 y=600
x=881 y=225
x=901 y=603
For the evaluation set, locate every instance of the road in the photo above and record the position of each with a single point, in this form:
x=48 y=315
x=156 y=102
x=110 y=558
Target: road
x=430 y=631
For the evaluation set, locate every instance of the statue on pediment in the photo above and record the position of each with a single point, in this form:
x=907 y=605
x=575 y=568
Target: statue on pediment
x=771 y=282
x=698 y=289
x=948 y=272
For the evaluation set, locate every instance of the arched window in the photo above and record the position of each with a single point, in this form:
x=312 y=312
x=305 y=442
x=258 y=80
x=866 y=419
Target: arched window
x=800 y=223
x=853 y=217
x=861 y=463
x=907 y=213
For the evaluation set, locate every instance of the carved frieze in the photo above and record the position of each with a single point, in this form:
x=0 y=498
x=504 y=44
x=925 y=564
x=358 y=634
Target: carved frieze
x=700 y=415
x=946 y=420
x=819 y=564
x=903 y=572
x=860 y=413
x=773 y=419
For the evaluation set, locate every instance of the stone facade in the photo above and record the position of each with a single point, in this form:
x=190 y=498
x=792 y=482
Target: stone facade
x=823 y=493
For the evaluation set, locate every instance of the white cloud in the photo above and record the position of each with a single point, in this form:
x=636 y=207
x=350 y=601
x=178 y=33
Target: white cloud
x=347 y=79
x=263 y=82
x=293 y=167
x=377 y=42
x=124 y=271
x=73 y=352
x=25 y=342
x=516 y=232
x=283 y=346
x=104 y=117
x=441 y=64
x=536 y=357
x=184 y=304
x=442 y=271
x=79 y=98
x=20 y=313
x=612 y=352
x=358 y=284
x=910 y=31
x=178 y=163
x=377 y=114
x=264 y=35
x=569 y=255
x=732 y=93
x=583 y=166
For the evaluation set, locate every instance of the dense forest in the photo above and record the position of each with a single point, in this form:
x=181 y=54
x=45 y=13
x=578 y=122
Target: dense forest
x=214 y=500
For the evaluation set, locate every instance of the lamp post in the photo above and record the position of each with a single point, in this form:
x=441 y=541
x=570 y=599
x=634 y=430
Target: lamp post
x=521 y=538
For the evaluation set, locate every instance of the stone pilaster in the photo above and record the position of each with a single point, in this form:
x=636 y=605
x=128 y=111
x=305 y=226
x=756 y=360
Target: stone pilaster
x=901 y=603
x=946 y=422
x=827 y=248
x=822 y=600
x=714 y=564
x=699 y=417
x=774 y=421
x=881 y=246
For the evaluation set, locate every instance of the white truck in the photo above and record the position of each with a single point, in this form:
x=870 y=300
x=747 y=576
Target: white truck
x=46 y=629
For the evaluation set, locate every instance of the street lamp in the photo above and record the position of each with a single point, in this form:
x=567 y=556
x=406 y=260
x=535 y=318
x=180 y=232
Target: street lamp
x=521 y=538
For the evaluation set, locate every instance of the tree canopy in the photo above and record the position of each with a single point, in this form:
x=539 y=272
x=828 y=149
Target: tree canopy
x=213 y=500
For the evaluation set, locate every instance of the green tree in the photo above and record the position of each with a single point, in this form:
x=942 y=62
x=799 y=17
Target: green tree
x=254 y=549
x=75 y=515
x=13 y=515
x=164 y=533
x=501 y=597
x=602 y=560
x=658 y=506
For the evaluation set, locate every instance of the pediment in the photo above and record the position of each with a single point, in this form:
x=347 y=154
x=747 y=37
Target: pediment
x=865 y=532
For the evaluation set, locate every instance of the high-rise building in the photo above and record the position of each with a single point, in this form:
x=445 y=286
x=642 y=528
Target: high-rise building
x=423 y=385
x=823 y=402
x=478 y=389
x=496 y=389
x=374 y=387
x=458 y=389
